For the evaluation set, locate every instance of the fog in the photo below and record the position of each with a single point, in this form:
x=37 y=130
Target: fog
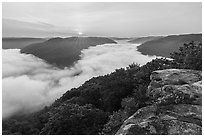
x=29 y=83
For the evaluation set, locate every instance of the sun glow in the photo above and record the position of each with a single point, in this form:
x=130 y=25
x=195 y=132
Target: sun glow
x=80 y=33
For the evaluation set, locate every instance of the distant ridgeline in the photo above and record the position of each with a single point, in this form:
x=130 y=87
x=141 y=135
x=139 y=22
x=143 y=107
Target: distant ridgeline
x=63 y=51
x=19 y=42
x=166 y=45
x=144 y=39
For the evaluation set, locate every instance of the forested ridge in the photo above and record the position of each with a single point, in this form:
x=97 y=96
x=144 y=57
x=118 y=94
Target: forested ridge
x=63 y=52
x=102 y=103
x=165 y=45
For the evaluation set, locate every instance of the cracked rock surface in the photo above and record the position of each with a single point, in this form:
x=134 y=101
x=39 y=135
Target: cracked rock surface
x=175 y=106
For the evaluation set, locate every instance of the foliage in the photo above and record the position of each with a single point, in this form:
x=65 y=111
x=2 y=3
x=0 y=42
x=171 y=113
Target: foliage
x=129 y=105
x=189 y=56
x=72 y=119
x=18 y=127
x=116 y=120
x=26 y=124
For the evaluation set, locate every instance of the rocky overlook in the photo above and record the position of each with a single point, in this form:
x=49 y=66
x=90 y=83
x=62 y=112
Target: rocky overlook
x=175 y=105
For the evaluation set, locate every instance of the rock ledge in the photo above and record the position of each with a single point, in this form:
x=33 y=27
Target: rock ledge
x=175 y=106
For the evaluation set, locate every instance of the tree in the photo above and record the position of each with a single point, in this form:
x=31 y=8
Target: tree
x=72 y=119
x=116 y=120
x=189 y=56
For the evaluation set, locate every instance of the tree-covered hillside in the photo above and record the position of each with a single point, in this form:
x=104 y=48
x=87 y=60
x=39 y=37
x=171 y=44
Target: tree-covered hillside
x=63 y=52
x=144 y=39
x=19 y=43
x=166 y=45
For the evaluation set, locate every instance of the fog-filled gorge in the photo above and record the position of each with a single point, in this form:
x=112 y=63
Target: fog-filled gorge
x=108 y=68
x=29 y=83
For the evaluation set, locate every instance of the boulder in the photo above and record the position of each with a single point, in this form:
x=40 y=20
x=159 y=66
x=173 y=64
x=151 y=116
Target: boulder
x=160 y=78
x=175 y=106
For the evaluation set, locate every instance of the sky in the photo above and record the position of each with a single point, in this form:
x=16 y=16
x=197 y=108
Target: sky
x=100 y=19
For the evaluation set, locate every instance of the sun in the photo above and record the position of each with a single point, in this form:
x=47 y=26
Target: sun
x=80 y=33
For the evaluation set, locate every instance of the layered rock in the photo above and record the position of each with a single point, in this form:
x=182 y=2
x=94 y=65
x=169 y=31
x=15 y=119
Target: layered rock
x=175 y=105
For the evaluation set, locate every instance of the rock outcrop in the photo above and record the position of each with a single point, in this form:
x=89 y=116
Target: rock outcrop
x=175 y=106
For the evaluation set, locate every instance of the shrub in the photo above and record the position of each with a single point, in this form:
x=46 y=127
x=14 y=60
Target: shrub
x=72 y=119
x=116 y=120
x=189 y=56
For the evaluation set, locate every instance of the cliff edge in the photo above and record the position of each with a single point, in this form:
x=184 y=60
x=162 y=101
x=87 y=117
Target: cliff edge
x=175 y=106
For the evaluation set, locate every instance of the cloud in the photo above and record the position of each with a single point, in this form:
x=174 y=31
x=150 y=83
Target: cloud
x=29 y=83
x=124 y=19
